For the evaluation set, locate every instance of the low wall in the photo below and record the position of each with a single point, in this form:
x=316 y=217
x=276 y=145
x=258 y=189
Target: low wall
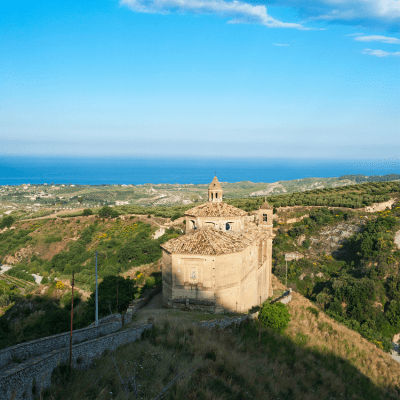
x=35 y=375
x=139 y=303
x=223 y=323
x=47 y=344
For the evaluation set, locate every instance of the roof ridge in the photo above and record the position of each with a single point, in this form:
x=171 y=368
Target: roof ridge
x=209 y=241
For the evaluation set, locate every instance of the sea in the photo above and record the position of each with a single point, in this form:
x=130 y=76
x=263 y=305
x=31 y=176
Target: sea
x=17 y=170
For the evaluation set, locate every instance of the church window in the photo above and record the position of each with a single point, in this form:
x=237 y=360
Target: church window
x=212 y=196
x=216 y=195
x=265 y=217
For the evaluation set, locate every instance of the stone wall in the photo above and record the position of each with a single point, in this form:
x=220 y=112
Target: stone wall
x=35 y=375
x=45 y=345
x=107 y=325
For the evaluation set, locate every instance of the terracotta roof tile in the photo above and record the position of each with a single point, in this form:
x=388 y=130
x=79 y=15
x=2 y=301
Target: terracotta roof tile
x=215 y=209
x=209 y=241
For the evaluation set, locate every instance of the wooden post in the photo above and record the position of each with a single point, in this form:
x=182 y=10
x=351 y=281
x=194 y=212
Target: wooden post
x=72 y=320
x=259 y=326
x=117 y=287
x=286 y=270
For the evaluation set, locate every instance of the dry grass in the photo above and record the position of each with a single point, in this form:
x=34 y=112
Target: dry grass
x=316 y=358
x=223 y=365
x=327 y=335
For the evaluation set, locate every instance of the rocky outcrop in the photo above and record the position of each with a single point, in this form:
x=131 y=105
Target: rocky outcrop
x=331 y=238
x=380 y=206
x=397 y=239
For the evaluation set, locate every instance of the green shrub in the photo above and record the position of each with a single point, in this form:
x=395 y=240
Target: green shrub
x=53 y=239
x=17 y=273
x=275 y=316
x=313 y=311
x=176 y=216
x=150 y=282
x=108 y=212
x=6 y=222
x=86 y=212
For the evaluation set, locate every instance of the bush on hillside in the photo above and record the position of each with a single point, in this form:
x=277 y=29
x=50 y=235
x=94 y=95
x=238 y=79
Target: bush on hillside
x=86 y=212
x=6 y=222
x=17 y=273
x=107 y=295
x=53 y=239
x=176 y=216
x=275 y=316
x=108 y=212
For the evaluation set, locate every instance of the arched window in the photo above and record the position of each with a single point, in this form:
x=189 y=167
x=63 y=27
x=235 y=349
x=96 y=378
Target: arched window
x=193 y=224
x=212 y=196
x=216 y=195
x=228 y=226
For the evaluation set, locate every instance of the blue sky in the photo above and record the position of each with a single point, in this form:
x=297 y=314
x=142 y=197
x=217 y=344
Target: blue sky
x=199 y=78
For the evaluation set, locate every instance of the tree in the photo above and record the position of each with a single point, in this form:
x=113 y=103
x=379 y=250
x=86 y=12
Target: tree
x=107 y=292
x=176 y=216
x=275 y=316
x=6 y=222
x=86 y=212
x=108 y=212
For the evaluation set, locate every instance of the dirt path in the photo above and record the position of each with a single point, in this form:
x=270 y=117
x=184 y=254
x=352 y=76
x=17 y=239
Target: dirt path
x=155 y=309
x=55 y=214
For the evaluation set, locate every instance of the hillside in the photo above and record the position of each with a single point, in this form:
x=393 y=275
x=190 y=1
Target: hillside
x=316 y=358
x=33 y=201
x=333 y=253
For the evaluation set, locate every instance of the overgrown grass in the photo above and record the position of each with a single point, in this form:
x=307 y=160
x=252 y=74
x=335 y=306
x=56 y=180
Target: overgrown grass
x=227 y=364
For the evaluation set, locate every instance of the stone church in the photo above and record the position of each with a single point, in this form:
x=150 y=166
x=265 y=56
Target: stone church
x=224 y=260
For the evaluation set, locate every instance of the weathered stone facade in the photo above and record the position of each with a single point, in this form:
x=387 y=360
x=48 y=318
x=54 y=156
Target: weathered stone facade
x=224 y=259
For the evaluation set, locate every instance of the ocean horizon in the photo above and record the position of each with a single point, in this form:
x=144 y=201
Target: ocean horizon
x=137 y=171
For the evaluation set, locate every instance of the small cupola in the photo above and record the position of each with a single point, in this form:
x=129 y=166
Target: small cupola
x=265 y=214
x=215 y=191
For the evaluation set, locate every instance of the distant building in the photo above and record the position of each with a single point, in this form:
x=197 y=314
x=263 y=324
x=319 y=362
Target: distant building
x=225 y=258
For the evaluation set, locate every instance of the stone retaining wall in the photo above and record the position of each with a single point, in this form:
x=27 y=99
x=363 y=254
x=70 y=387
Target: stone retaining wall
x=35 y=375
x=47 y=344
x=223 y=323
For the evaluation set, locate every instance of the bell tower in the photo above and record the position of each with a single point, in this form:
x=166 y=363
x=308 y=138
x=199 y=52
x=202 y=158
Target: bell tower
x=215 y=191
x=265 y=216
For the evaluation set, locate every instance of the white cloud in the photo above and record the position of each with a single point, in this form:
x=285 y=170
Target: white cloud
x=361 y=13
x=240 y=12
x=381 y=53
x=280 y=44
x=377 y=38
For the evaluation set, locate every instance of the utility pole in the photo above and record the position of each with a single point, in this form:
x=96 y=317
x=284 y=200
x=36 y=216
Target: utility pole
x=259 y=326
x=286 y=270
x=72 y=320
x=97 y=299
x=119 y=269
